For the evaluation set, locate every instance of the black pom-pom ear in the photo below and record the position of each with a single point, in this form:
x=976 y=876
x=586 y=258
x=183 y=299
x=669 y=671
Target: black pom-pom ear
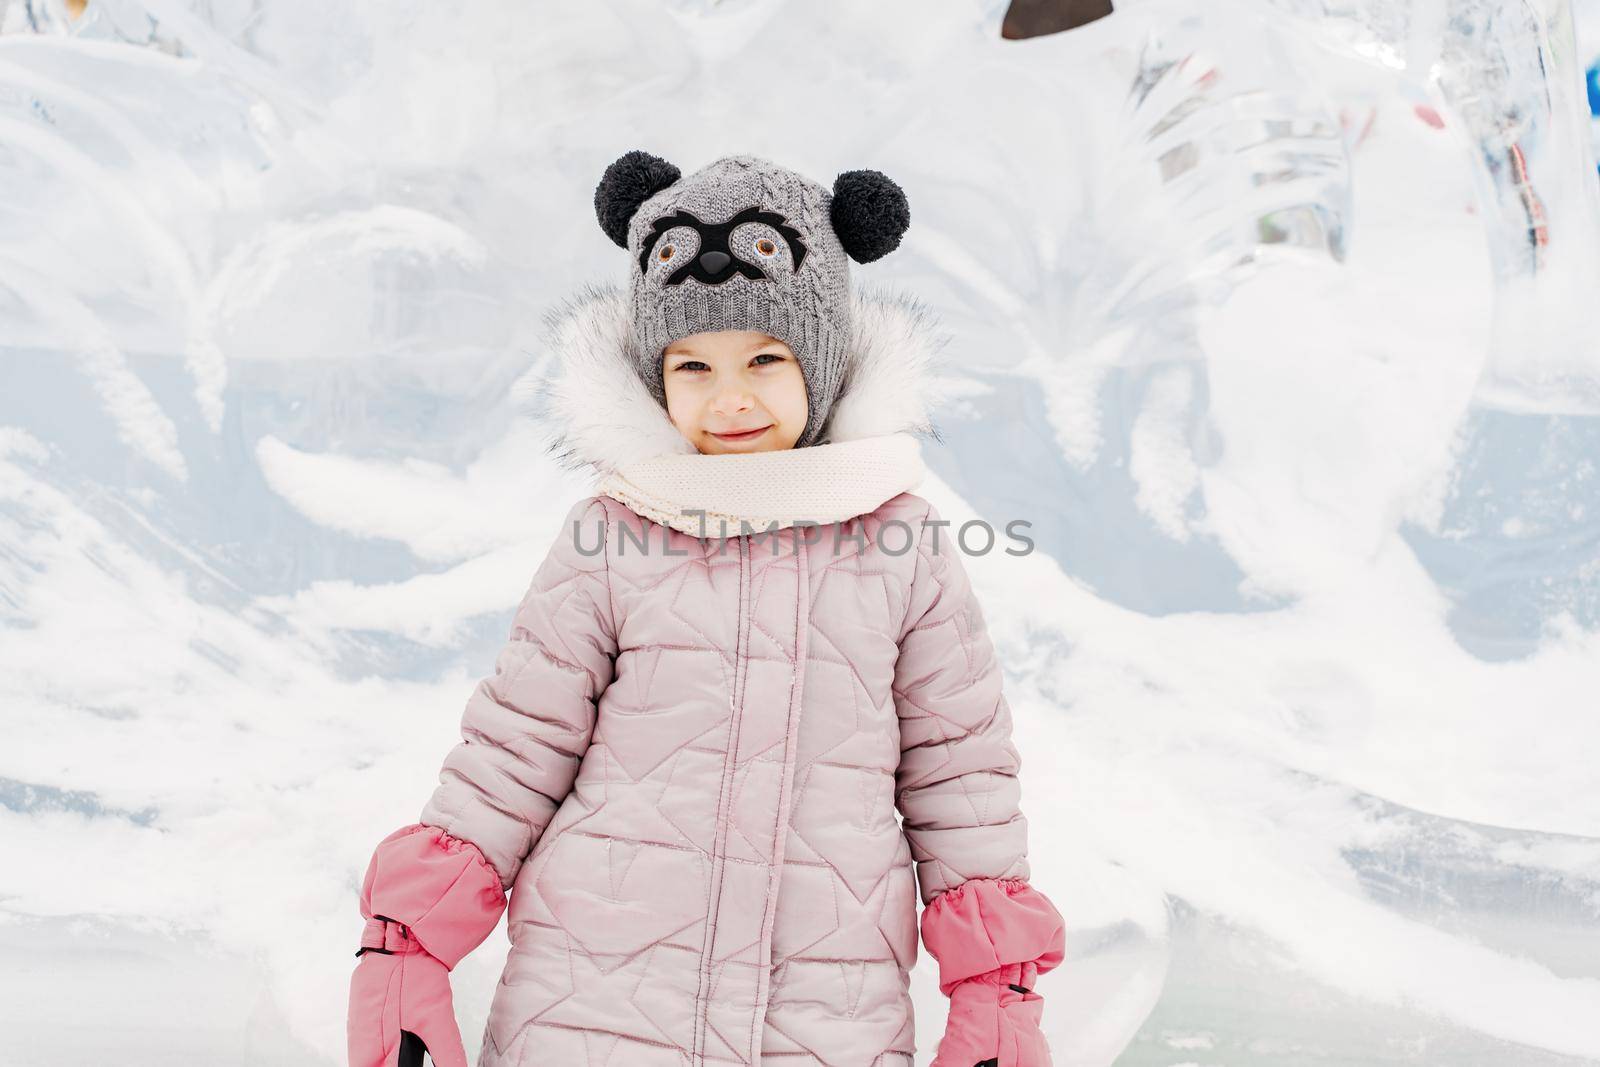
x=869 y=214
x=632 y=178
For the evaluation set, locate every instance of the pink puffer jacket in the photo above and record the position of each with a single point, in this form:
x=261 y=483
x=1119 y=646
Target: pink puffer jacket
x=687 y=765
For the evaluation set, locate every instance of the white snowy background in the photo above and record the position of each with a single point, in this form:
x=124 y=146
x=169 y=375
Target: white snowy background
x=1273 y=317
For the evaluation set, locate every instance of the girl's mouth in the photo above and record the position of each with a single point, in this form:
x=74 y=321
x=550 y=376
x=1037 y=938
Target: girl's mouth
x=748 y=435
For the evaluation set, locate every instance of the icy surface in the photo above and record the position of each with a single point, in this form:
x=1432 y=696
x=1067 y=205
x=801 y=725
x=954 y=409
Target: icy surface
x=1275 y=321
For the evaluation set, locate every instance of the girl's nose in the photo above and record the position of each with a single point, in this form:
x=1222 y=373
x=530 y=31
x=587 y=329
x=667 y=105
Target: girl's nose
x=734 y=399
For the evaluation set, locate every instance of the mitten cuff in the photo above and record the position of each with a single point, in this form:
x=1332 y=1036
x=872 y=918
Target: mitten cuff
x=438 y=886
x=986 y=923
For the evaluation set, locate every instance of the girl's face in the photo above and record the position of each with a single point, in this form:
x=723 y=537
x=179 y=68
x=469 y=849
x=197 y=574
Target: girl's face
x=726 y=381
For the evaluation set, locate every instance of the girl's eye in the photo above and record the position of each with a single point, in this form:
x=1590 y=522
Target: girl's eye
x=771 y=355
x=690 y=364
x=766 y=246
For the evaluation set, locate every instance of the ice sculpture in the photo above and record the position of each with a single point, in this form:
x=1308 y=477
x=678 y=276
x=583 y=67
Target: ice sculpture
x=1516 y=540
x=1516 y=536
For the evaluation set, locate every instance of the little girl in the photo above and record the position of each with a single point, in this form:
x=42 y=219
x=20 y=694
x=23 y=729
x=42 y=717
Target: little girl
x=743 y=655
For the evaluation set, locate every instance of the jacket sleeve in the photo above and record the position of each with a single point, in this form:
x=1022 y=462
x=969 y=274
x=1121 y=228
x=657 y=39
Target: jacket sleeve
x=957 y=786
x=526 y=726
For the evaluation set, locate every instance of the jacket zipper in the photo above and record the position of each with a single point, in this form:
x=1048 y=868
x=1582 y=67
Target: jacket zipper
x=741 y=654
x=802 y=620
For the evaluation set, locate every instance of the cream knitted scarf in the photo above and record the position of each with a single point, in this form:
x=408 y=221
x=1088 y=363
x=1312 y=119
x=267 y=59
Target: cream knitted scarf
x=740 y=493
x=595 y=413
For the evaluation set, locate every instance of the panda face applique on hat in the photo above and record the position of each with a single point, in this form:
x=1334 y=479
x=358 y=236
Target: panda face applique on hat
x=743 y=244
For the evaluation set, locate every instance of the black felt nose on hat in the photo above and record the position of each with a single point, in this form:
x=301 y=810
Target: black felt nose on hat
x=714 y=261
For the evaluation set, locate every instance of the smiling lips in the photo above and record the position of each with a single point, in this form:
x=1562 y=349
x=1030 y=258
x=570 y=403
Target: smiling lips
x=747 y=435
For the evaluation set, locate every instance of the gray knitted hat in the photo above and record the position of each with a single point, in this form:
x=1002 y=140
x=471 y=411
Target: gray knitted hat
x=744 y=244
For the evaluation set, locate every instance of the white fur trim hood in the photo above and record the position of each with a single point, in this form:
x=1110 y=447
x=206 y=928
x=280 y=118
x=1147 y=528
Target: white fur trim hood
x=593 y=412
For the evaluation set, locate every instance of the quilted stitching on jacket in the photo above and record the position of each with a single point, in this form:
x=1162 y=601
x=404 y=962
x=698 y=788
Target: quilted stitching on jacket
x=673 y=901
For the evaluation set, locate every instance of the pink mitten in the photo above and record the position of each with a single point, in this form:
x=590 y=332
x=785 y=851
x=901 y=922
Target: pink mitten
x=994 y=1021
x=429 y=899
x=993 y=938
